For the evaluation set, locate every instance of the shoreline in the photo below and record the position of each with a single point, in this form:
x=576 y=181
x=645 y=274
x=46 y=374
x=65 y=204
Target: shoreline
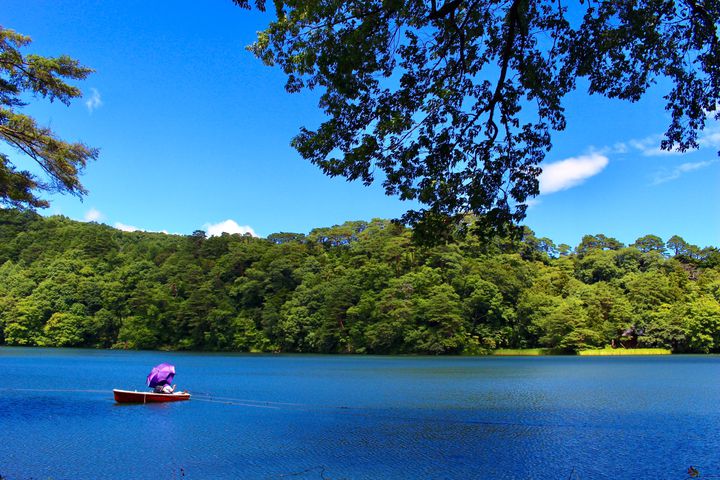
x=501 y=352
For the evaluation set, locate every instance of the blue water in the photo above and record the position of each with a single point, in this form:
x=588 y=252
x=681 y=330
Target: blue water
x=351 y=417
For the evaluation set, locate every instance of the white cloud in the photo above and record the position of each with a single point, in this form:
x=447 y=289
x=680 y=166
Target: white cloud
x=570 y=172
x=95 y=101
x=93 y=215
x=620 y=147
x=668 y=175
x=710 y=137
x=132 y=228
x=645 y=144
x=228 y=226
x=650 y=146
x=533 y=202
x=126 y=228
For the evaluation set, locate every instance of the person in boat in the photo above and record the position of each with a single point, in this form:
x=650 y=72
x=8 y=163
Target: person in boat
x=164 y=388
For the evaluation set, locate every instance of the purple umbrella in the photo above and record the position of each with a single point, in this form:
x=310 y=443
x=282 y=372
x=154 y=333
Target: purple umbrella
x=161 y=375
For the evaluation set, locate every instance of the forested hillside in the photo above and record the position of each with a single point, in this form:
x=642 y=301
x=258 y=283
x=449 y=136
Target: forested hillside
x=361 y=287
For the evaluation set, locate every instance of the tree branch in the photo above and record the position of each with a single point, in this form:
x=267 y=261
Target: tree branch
x=447 y=7
x=513 y=20
x=699 y=10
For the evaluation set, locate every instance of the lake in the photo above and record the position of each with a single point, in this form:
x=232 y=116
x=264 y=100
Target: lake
x=359 y=417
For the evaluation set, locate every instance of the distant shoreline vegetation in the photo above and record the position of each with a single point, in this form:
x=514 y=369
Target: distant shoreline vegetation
x=499 y=352
x=360 y=287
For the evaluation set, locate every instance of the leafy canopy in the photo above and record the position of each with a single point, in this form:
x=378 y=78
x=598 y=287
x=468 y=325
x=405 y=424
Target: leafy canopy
x=452 y=103
x=359 y=287
x=60 y=161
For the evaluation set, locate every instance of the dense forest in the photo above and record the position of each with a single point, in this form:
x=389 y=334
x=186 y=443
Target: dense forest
x=361 y=287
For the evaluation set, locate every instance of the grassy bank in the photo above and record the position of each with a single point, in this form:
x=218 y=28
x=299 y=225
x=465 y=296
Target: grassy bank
x=537 y=352
x=524 y=352
x=625 y=351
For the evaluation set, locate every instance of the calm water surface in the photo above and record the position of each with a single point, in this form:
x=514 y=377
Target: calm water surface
x=287 y=416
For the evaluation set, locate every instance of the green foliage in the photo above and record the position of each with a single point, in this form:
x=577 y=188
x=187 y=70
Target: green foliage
x=667 y=328
x=599 y=242
x=137 y=333
x=597 y=266
x=360 y=287
x=569 y=327
x=64 y=330
x=650 y=243
x=61 y=161
x=703 y=324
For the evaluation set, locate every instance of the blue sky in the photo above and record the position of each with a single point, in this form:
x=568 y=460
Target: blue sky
x=194 y=133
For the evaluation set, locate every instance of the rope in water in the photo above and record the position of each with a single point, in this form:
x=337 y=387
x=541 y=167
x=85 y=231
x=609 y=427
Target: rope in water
x=50 y=390
x=240 y=404
x=199 y=395
x=369 y=412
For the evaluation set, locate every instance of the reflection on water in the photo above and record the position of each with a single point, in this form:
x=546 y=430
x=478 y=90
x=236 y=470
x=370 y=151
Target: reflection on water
x=314 y=417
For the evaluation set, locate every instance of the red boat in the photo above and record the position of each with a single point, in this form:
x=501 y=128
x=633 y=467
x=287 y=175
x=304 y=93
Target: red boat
x=127 y=396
